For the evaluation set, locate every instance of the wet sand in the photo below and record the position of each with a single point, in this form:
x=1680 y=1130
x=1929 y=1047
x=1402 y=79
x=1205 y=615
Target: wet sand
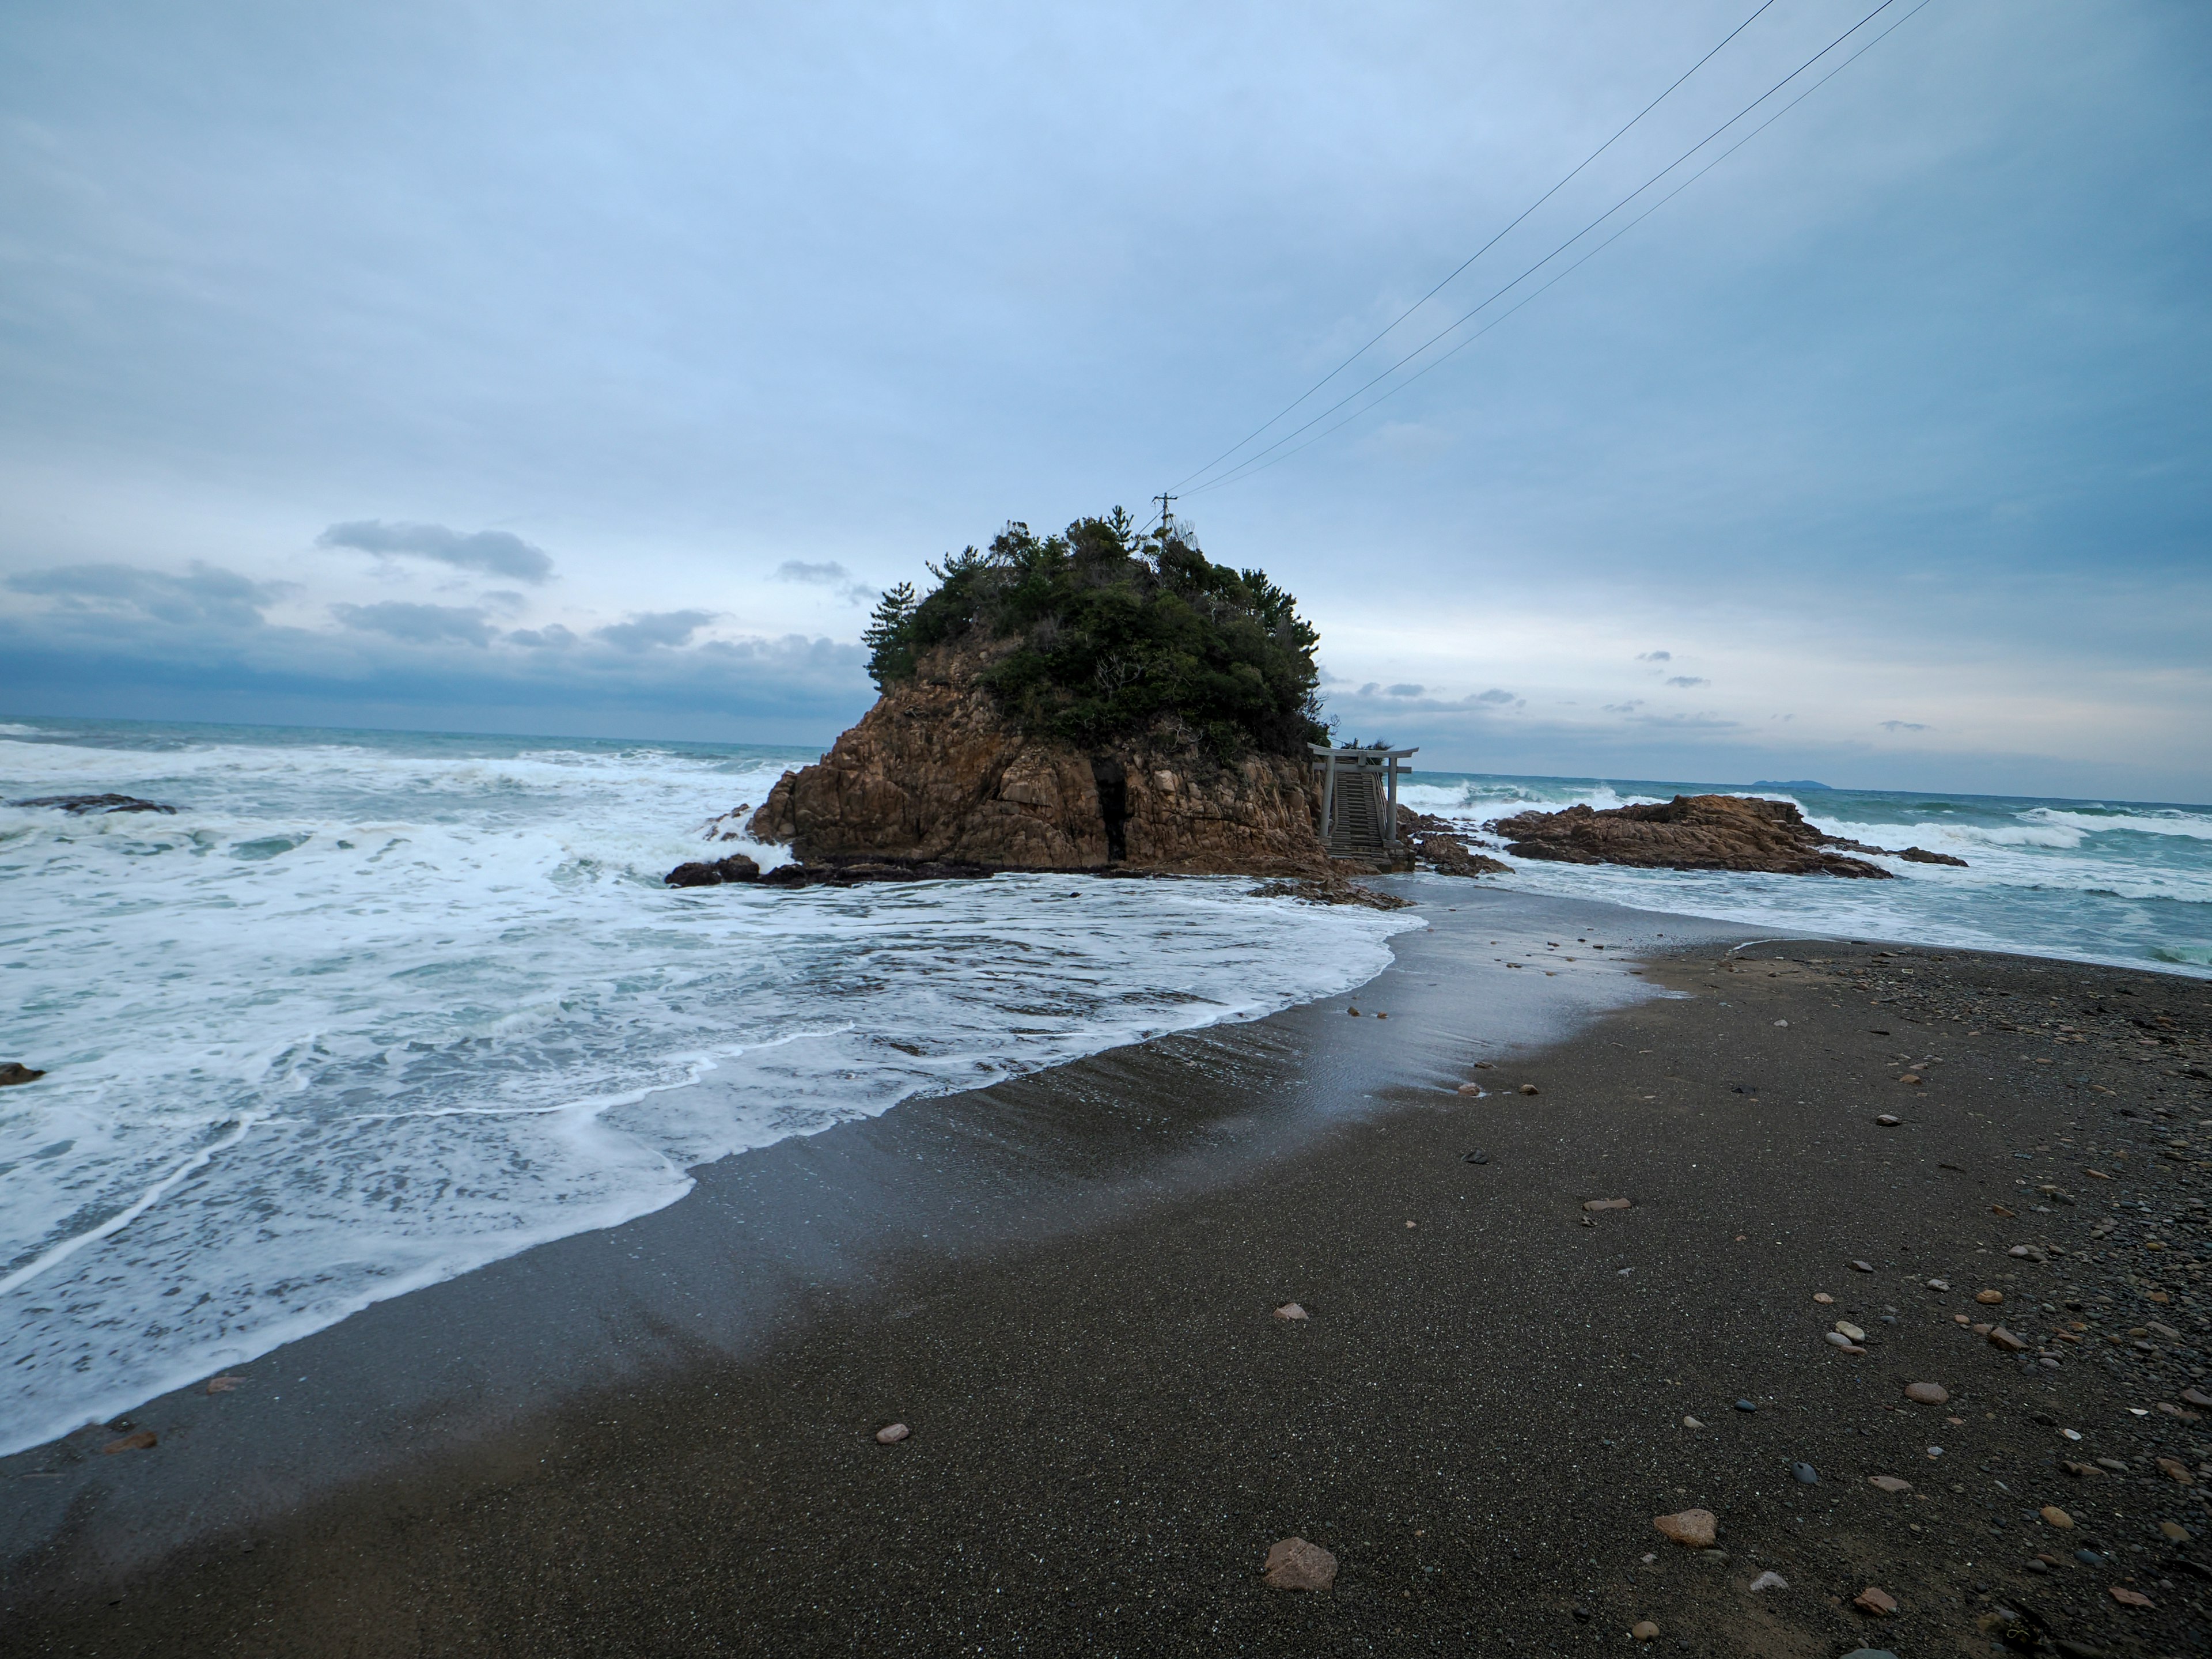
x=660 y=1439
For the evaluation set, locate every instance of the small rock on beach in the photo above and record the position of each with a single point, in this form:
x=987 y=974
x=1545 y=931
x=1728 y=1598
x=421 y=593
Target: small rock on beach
x=1644 y=1631
x=1769 y=1581
x=1605 y=1204
x=1692 y=1528
x=1927 y=1393
x=1875 y=1601
x=891 y=1434
x=1289 y=1311
x=1888 y=1483
x=1295 y=1564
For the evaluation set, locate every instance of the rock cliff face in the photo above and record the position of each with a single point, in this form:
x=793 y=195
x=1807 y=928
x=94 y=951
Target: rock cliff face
x=1696 y=832
x=935 y=773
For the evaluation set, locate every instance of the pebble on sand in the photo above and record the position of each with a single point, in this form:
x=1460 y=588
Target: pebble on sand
x=1805 y=1474
x=1875 y=1601
x=1527 y=1088
x=2196 y=1397
x=1644 y=1631
x=2054 y=1516
x=1850 y=1330
x=2001 y=1338
x=1889 y=1120
x=1767 y=1581
x=144 y=1440
x=1888 y=1483
x=1692 y=1423
x=891 y=1434
x=1823 y=1298
x=1839 y=1340
x=1927 y=1393
x=1989 y=1298
x=1294 y=1565
x=1939 y=1283
x=2178 y=1469
x=1470 y=1088
x=1692 y=1528
x=1912 y=1078
x=1289 y=1311
x=2128 y=1598
x=1605 y=1204
x=1862 y=1267
x=2175 y=1531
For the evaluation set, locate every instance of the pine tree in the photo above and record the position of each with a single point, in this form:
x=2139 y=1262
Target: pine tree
x=891 y=650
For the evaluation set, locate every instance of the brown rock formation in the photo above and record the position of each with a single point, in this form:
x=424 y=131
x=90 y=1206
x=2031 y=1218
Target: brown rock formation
x=934 y=773
x=1694 y=832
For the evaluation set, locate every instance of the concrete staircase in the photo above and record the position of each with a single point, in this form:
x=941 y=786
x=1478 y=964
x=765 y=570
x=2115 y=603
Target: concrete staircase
x=1357 y=830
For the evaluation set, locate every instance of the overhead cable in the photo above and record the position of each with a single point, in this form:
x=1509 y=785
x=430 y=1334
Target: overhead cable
x=1496 y=294
x=1477 y=254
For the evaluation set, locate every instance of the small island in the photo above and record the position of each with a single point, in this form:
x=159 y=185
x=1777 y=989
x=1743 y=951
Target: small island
x=1102 y=697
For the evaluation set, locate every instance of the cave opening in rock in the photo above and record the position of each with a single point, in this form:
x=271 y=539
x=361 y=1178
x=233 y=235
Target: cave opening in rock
x=1113 y=804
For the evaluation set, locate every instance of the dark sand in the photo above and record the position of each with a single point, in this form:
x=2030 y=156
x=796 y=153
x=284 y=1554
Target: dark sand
x=1480 y=1419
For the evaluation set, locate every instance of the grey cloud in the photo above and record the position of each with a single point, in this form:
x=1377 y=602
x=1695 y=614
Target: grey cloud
x=1654 y=656
x=1903 y=726
x=221 y=598
x=1495 y=695
x=1402 y=691
x=1628 y=708
x=1686 y=681
x=416 y=624
x=648 y=628
x=829 y=574
x=1370 y=688
x=494 y=552
x=552 y=637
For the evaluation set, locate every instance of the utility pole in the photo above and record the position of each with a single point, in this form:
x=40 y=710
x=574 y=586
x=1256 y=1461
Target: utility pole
x=1165 y=501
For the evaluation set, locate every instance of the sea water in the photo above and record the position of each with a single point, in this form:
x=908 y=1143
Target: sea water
x=370 y=1010
x=2122 y=882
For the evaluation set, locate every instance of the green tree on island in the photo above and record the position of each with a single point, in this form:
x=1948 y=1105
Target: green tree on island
x=1107 y=631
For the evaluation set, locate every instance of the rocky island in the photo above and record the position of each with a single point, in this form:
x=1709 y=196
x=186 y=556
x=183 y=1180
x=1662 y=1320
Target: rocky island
x=1698 y=832
x=1100 y=698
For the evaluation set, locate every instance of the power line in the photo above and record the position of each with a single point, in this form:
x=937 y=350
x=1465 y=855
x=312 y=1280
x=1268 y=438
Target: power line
x=1245 y=469
x=1499 y=292
x=1477 y=253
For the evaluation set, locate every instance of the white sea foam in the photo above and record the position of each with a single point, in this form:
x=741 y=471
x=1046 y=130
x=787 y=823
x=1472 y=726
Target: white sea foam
x=364 y=1015
x=2119 y=883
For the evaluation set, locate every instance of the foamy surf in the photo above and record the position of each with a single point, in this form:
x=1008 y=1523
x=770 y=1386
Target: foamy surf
x=2122 y=883
x=371 y=1010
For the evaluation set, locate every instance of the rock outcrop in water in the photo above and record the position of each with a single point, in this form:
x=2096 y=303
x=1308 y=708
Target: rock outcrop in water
x=1697 y=832
x=936 y=772
x=78 y=805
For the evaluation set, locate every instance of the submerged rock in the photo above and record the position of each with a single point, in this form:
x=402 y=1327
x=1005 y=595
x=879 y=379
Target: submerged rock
x=78 y=805
x=1695 y=832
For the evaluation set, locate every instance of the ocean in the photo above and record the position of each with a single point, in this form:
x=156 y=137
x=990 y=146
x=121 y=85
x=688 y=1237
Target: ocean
x=371 y=1009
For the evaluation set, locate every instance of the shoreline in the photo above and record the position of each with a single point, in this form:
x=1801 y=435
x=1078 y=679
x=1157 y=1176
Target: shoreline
x=818 y=1214
x=1496 y=1370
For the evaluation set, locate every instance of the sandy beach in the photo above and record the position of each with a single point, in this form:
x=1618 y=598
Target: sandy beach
x=661 y=1438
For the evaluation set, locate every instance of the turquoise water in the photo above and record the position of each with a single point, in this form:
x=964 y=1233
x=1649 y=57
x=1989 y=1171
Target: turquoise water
x=2112 y=881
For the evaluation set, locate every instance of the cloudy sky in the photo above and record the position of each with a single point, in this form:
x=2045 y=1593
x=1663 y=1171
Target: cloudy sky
x=585 y=369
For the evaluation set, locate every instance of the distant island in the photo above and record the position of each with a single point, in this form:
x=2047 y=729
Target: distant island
x=1791 y=783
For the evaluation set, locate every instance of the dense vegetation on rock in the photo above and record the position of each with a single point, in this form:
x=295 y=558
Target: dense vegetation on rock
x=1104 y=631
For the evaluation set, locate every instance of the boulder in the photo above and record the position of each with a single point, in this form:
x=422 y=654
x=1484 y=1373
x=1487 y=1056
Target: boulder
x=935 y=772
x=1691 y=832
